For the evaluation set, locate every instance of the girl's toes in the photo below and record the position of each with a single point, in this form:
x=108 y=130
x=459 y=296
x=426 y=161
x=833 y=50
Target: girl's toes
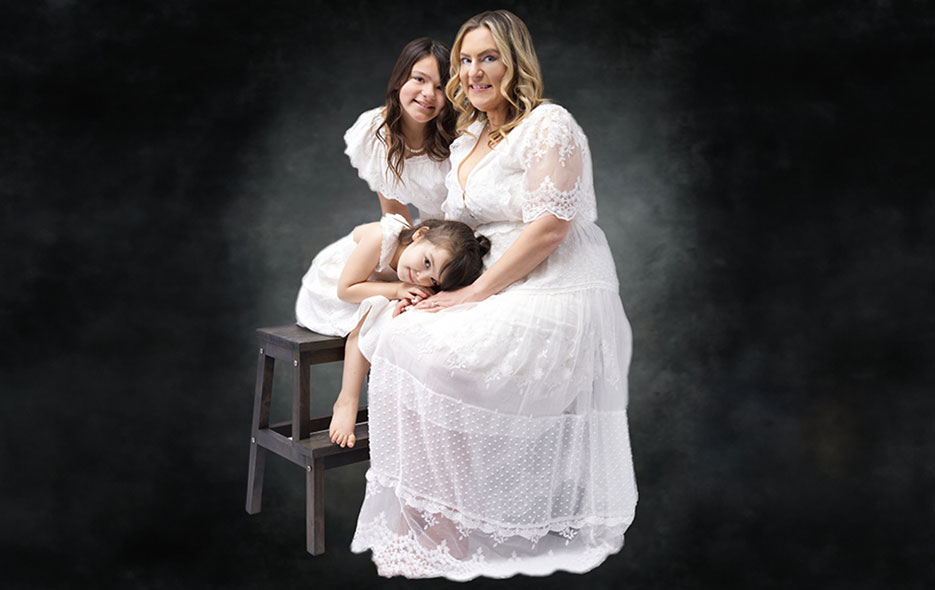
x=351 y=440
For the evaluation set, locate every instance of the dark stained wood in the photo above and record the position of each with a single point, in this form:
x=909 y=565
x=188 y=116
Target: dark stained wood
x=318 y=444
x=255 y=478
x=300 y=397
x=315 y=506
x=282 y=446
x=356 y=455
x=294 y=337
x=263 y=392
x=262 y=397
x=311 y=448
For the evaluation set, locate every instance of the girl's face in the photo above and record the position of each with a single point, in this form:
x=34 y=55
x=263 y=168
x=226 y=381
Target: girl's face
x=482 y=71
x=421 y=262
x=421 y=96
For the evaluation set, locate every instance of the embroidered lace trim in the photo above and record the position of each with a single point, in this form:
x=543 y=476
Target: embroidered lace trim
x=567 y=528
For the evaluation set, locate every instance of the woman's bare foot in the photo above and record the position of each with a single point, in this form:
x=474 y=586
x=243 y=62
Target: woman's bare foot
x=341 y=430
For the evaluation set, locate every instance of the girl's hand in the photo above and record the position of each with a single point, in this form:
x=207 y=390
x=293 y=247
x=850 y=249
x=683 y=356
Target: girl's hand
x=444 y=299
x=401 y=306
x=412 y=293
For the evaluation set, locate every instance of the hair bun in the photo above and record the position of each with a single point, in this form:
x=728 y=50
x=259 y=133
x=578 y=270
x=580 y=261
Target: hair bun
x=484 y=243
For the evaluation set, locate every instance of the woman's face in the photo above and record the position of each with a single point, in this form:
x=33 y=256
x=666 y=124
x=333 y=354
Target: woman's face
x=482 y=70
x=421 y=95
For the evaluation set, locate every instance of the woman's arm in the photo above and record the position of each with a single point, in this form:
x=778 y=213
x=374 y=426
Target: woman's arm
x=553 y=153
x=394 y=206
x=533 y=245
x=353 y=284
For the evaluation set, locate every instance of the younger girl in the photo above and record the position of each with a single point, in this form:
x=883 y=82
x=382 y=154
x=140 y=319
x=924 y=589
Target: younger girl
x=435 y=255
x=401 y=150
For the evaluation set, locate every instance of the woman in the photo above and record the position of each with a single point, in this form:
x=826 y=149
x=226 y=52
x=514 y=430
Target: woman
x=498 y=426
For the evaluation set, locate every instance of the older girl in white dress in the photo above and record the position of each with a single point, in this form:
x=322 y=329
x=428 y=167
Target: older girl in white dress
x=498 y=412
x=401 y=150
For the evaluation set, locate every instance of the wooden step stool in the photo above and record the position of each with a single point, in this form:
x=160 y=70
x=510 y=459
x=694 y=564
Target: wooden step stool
x=302 y=440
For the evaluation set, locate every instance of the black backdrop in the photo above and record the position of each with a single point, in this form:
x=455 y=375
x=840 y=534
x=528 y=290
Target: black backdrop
x=169 y=169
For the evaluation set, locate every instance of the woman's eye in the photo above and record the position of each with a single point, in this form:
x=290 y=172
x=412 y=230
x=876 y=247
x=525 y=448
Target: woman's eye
x=434 y=283
x=418 y=78
x=465 y=60
x=427 y=263
x=490 y=58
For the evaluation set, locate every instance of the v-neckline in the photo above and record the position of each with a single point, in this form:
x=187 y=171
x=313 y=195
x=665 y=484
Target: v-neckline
x=479 y=162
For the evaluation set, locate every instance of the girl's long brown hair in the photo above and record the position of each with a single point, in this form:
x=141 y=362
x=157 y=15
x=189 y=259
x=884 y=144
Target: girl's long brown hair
x=439 y=131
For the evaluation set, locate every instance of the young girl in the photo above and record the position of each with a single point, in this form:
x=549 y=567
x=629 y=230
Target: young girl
x=401 y=150
x=435 y=255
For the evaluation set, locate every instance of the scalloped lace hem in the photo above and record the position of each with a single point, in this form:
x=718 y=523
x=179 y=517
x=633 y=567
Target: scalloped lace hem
x=397 y=554
x=533 y=532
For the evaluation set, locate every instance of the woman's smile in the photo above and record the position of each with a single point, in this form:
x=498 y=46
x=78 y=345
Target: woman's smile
x=481 y=72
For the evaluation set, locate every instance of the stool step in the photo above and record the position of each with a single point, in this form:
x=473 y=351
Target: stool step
x=298 y=338
x=313 y=450
x=277 y=438
x=319 y=444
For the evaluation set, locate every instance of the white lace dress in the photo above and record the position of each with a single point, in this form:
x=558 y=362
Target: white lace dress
x=317 y=306
x=499 y=441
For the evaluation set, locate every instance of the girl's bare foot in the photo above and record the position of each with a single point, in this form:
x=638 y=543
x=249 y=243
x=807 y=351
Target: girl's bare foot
x=341 y=430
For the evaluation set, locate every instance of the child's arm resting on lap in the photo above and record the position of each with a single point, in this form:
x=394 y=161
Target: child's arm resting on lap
x=353 y=284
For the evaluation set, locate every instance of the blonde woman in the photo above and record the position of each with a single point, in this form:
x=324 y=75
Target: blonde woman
x=498 y=424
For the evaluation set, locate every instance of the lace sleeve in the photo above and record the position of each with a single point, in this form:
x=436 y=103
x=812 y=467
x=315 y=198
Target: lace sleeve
x=554 y=160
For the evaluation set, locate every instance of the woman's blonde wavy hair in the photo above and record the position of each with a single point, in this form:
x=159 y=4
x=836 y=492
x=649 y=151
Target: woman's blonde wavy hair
x=522 y=83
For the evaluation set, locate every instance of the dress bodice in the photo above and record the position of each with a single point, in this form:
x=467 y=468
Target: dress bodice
x=423 y=179
x=542 y=166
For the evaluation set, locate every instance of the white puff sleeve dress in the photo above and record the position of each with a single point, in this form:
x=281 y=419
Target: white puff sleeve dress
x=317 y=305
x=423 y=179
x=499 y=440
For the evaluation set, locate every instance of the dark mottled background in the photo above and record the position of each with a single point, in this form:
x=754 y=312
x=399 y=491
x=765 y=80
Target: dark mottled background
x=168 y=169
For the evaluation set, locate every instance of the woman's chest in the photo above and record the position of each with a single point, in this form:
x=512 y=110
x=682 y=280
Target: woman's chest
x=491 y=190
x=478 y=154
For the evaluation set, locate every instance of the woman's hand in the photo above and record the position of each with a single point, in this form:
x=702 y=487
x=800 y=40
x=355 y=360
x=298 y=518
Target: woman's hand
x=444 y=299
x=411 y=292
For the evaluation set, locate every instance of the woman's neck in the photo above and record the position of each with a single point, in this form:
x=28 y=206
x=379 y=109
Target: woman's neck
x=496 y=118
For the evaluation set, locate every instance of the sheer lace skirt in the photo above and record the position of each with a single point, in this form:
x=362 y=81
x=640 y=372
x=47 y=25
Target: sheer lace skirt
x=498 y=432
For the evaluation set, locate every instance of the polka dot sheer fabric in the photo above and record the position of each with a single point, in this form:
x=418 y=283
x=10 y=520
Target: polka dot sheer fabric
x=498 y=430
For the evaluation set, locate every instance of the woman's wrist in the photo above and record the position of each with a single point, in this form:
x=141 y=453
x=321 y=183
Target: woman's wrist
x=476 y=291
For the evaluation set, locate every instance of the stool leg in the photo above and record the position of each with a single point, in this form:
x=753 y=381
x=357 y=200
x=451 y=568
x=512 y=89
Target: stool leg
x=301 y=423
x=261 y=403
x=315 y=506
x=255 y=478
